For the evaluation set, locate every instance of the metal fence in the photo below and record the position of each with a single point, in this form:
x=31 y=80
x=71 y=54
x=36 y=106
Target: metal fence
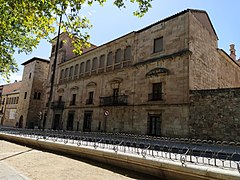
x=221 y=154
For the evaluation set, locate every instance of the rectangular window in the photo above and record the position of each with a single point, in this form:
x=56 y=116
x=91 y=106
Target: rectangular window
x=154 y=125
x=59 y=98
x=90 y=98
x=17 y=100
x=39 y=96
x=73 y=102
x=35 y=95
x=25 y=95
x=53 y=48
x=156 y=92
x=158 y=44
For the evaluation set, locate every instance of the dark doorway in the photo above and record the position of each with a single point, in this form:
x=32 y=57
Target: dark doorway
x=70 y=121
x=44 y=120
x=20 y=125
x=56 y=122
x=87 y=121
x=154 y=125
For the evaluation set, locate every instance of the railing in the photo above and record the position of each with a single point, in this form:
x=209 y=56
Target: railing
x=154 y=97
x=220 y=154
x=114 y=100
x=89 y=101
x=57 y=105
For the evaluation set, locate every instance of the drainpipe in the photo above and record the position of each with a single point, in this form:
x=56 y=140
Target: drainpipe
x=53 y=72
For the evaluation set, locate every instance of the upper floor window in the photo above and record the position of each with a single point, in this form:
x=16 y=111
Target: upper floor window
x=87 y=69
x=61 y=44
x=158 y=44
x=102 y=61
x=76 y=70
x=82 y=68
x=127 y=53
x=110 y=59
x=156 y=92
x=30 y=74
x=71 y=72
x=17 y=100
x=94 y=63
x=3 y=101
x=66 y=73
x=35 y=95
x=25 y=95
x=53 y=48
x=73 y=101
x=39 y=96
x=90 y=98
x=118 y=56
x=61 y=74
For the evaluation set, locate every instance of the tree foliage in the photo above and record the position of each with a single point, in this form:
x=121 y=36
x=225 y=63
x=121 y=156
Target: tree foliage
x=25 y=22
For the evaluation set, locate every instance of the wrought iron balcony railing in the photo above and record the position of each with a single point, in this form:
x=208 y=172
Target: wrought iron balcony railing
x=57 y=105
x=114 y=100
x=154 y=97
x=89 y=101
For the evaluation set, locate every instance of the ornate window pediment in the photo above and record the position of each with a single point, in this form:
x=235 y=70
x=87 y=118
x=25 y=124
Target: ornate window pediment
x=74 y=88
x=157 y=71
x=91 y=84
x=61 y=90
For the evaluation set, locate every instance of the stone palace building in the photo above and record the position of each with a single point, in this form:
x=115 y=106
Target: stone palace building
x=141 y=82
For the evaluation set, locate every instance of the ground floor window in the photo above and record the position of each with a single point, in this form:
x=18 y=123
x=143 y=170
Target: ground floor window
x=87 y=121
x=154 y=125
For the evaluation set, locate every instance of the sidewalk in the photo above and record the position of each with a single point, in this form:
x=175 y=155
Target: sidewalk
x=23 y=163
x=8 y=173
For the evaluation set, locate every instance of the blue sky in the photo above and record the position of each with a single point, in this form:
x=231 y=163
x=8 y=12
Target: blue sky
x=109 y=23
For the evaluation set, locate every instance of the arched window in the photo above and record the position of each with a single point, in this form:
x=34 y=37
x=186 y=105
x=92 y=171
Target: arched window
x=66 y=73
x=110 y=59
x=118 y=56
x=87 y=69
x=102 y=61
x=94 y=63
x=76 y=70
x=71 y=72
x=127 y=53
x=82 y=68
x=61 y=75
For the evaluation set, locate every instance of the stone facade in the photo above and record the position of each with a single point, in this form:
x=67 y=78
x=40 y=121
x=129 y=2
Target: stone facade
x=9 y=103
x=32 y=92
x=141 y=80
x=215 y=114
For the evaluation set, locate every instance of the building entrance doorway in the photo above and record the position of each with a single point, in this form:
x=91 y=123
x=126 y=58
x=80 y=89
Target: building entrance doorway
x=154 y=125
x=87 y=121
x=70 y=121
x=20 y=125
x=56 y=122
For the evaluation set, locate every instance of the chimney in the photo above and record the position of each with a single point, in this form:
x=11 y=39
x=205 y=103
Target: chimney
x=232 y=51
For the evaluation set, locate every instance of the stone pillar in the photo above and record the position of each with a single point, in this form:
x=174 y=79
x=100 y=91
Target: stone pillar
x=232 y=51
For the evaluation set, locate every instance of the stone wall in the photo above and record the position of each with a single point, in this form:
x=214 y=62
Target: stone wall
x=215 y=114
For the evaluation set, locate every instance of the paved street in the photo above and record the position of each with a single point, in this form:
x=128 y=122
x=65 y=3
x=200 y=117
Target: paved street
x=19 y=163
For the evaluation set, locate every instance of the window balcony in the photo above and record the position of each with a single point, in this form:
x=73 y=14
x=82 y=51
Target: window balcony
x=155 y=97
x=57 y=105
x=89 y=101
x=114 y=100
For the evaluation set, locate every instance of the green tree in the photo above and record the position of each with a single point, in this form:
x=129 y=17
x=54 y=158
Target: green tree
x=23 y=23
